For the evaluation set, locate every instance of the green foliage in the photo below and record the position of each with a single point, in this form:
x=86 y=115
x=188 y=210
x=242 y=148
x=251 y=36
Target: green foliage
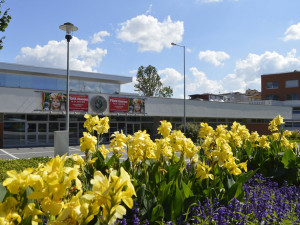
x=191 y=131
x=149 y=83
x=4 y=20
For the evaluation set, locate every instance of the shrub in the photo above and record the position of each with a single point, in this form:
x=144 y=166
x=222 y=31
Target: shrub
x=191 y=131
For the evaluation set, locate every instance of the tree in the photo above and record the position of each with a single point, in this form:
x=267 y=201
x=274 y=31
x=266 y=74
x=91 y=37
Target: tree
x=148 y=82
x=4 y=20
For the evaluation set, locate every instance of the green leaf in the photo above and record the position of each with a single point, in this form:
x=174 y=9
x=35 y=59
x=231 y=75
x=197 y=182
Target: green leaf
x=3 y=192
x=186 y=190
x=173 y=171
x=157 y=213
x=288 y=159
x=236 y=190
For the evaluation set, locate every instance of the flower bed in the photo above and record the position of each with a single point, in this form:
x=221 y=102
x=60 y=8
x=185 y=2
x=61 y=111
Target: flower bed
x=169 y=179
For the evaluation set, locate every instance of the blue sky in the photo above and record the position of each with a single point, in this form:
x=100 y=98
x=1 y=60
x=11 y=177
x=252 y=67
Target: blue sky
x=229 y=43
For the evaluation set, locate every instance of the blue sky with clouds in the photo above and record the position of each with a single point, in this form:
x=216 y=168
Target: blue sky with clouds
x=229 y=43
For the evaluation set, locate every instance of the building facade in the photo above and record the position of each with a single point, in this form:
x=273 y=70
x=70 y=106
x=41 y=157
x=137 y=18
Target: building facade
x=280 y=86
x=32 y=107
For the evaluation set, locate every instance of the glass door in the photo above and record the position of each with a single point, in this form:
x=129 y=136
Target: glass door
x=31 y=133
x=132 y=128
x=36 y=133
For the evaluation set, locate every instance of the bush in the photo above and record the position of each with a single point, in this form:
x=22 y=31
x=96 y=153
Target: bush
x=192 y=131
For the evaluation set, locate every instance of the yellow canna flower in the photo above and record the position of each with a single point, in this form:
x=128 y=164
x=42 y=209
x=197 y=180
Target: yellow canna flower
x=276 y=123
x=8 y=212
x=118 y=143
x=254 y=137
x=88 y=143
x=103 y=151
x=165 y=128
x=52 y=207
x=102 y=125
x=30 y=210
x=17 y=182
x=205 y=130
x=263 y=142
x=202 y=171
x=77 y=159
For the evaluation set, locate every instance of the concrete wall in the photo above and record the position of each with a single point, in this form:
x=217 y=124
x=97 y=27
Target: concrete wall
x=194 y=108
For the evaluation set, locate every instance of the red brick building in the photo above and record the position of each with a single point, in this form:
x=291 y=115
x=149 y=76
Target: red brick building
x=281 y=86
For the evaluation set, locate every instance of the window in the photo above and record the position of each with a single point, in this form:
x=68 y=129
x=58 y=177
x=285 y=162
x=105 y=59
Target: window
x=272 y=97
x=272 y=85
x=292 y=97
x=291 y=83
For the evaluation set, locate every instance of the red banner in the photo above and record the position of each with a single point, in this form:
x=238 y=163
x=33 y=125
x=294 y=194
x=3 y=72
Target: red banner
x=79 y=103
x=118 y=104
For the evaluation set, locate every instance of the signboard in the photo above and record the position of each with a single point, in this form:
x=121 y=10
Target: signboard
x=118 y=104
x=126 y=105
x=79 y=103
x=54 y=101
x=57 y=102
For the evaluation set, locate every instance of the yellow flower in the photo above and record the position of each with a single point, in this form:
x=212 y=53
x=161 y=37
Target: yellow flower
x=163 y=148
x=8 y=212
x=118 y=143
x=103 y=151
x=203 y=170
x=205 y=130
x=243 y=166
x=77 y=159
x=51 y=206
x=263 y=142
x=276 y=123
x=88 y=142
x=102 y=126
x=30 y=210
x=232 y=168
x=108 y=193
x=254 y=137
x=17 y=182
x=165 y=128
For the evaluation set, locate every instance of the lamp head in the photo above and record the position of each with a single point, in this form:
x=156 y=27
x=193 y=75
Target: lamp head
x=68 y=27
x=173 y=43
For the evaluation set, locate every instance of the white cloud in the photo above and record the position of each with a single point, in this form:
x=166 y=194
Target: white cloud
x=98 y=37
x=170 y=76
x=150 y=34
x=54 y=54
x=247 y=73
x=201 y=84
x=149 y=9
x=214 y=57
x=292 y=33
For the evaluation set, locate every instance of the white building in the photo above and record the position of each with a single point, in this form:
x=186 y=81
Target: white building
x=28 y=117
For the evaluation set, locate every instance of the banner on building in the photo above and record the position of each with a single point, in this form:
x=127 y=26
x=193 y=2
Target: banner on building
x=126 y=105
x=118 y=104
x=79 y=103
x=57 y=102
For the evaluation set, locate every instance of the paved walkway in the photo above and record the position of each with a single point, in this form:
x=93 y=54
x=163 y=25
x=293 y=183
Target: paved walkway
x=29 y=152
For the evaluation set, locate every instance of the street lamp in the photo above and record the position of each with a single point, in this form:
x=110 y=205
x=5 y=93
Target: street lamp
x=184 y=117
x=69 y=28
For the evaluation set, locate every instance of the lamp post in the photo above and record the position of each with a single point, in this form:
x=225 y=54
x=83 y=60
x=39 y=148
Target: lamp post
x=69 y=28
x=184 y=116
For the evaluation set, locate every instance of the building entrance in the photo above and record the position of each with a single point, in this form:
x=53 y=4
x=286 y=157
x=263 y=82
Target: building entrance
x=36 y=133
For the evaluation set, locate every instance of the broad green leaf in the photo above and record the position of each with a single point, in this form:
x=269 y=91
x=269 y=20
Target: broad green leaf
x=3 y=192
x=288 y=159
x=157 y=213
